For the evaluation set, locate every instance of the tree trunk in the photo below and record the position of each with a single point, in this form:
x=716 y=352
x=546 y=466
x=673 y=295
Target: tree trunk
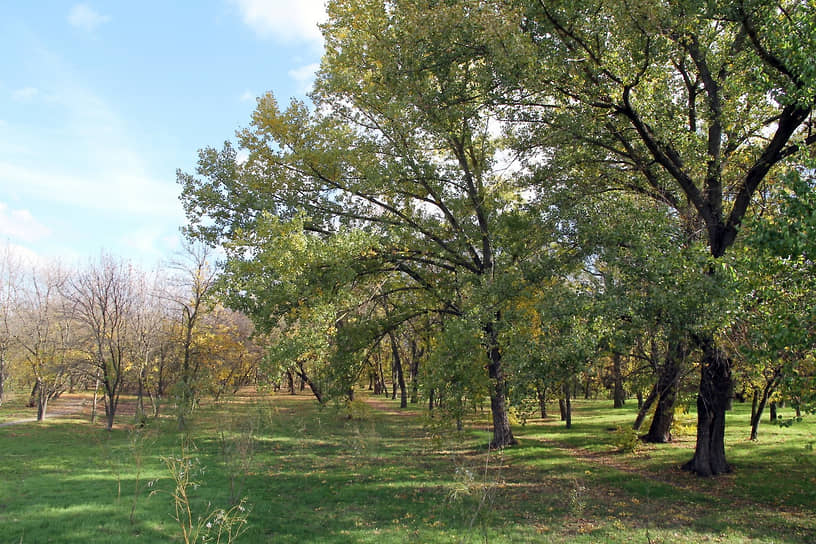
x=415 y=355
x=431 y=401
x=618 y=395
x=715 y=389
x=644 y=408
x=541 y=393
x=398 y=371
x=660 y=429
x=640 y=399
x=42 y=401
x=290 y=382
x=562 y=408
x=773 y=412
x=502 y=434
x=305 y=379
x=32 y=398
x=567 y=407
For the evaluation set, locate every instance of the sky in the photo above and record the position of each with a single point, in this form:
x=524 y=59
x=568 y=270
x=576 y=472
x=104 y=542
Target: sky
x=101 y=103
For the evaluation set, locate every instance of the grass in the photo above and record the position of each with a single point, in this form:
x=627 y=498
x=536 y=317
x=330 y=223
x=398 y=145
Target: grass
x=312 y=475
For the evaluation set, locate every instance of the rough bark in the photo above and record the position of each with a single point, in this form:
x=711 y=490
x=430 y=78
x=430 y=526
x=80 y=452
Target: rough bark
x=567 y=407
x=660 y=429
x=644 y=408
x=715 y=389
x=502 y=434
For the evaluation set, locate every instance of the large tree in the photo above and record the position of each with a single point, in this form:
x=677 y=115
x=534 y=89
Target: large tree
x=395 y=167
x=694 y=104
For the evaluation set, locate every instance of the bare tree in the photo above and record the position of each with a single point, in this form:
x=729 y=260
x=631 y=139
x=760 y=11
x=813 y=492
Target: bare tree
x=102 y=298
x=44 y=331
x=192 y=285
x=9 y=284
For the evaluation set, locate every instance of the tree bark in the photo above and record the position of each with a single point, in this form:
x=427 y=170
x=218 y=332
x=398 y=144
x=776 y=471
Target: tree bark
x=502 y=434
x=644 y=408
x=562 y=408
x=715 y=389
x=541 y=393
x=567 y=407
x=660 y=429
x=398 y=368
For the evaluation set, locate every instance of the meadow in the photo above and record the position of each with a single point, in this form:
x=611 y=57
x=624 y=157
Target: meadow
x=300 y=473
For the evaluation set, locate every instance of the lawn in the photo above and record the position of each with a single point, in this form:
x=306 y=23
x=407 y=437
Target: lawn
x=312 y=475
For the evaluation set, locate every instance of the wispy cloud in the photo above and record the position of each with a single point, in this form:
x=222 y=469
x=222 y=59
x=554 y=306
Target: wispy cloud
x=86 y=18
x=247 y=96
x=20 y=225
x=305 y=76
x=284 y=20
x=105 y=190
x=25 y=94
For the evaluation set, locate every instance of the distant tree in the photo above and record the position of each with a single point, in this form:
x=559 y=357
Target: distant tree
x=103 y=297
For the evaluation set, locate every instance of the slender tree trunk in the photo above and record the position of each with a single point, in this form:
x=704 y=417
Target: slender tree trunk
x=541 y=393
x=759 y=406
x=644 y=408
x=95 y=398
x=639 y=399
x=715 y=389
x=773 y=412
x=562 y=408
x=42 y=401
x=32 y=398
x=431 y=401
x=567 y=407
x=415 y=354
x=398 y=371
x=618 y=395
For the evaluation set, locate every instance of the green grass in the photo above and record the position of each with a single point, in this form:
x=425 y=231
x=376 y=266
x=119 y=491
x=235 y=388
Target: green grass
x=311 y=475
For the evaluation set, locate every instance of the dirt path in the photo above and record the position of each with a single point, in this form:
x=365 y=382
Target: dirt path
x=66 y=405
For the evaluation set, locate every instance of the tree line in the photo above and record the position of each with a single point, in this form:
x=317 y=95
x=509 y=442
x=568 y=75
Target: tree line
x=515 y=197
x=113 y=328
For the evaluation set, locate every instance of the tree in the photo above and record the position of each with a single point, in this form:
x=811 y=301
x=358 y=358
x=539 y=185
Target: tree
x=103 y=298
x=10 y=272
x=43 y=329
x=692 y=104
x=394 y=173
x=192 y=287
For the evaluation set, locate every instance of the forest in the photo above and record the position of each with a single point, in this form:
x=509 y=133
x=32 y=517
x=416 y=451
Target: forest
x=491 y=213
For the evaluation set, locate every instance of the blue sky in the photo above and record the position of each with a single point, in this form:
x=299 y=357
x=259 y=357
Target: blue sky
x=101 y=102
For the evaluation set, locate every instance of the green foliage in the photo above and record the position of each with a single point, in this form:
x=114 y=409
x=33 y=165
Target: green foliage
x=626 y=439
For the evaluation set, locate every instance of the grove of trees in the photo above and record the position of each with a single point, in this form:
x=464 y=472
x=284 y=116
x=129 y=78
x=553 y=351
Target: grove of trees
x=110 y=327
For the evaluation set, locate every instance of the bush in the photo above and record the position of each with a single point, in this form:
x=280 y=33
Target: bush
x=626 y=439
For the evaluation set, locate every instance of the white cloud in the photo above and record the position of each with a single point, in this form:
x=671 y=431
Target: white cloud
x=305 y=76
x=26 y=94
x=284 y=20
x=247 y=96
x=86 y=18
x=21 y=225
x=113 y=191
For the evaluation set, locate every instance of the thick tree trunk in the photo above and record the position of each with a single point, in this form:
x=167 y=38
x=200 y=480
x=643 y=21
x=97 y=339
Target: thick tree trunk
x=660 y=429
x=618 y=393
x=715 y=389
x=644 y=408
x=502 y=434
